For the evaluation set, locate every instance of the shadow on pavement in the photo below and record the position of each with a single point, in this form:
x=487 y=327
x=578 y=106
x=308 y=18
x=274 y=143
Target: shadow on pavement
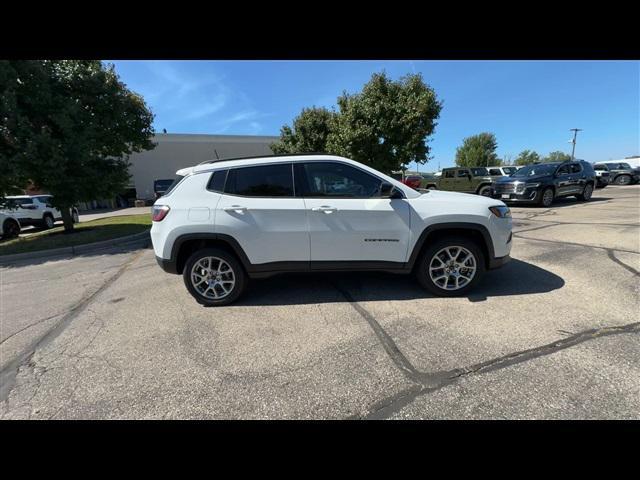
x=515 y=278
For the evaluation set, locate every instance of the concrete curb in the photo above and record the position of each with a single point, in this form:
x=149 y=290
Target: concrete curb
x=129 y=240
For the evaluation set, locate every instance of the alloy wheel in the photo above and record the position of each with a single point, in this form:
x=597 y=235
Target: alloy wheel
x=213 y=278
x=452 y=268
x=547 y=197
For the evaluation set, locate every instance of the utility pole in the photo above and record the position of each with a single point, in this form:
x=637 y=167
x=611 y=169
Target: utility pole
x=575 y=134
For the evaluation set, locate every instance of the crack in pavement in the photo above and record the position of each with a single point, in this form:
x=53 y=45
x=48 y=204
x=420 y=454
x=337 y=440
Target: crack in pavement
x=428 y=382
x=10 y=371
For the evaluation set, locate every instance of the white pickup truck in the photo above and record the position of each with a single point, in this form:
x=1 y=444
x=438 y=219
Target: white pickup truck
x=34 y=210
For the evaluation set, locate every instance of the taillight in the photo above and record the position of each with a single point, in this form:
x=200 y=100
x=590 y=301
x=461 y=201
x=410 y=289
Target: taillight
x=158 y=212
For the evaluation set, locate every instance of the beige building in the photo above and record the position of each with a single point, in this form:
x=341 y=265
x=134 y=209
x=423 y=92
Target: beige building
x=178 y=150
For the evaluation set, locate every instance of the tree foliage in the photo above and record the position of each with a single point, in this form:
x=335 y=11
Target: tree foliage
x=478 y=151
x=309 y=133
x=557 y=156
x=67 y=127
x=386 y=126
x=527 y=157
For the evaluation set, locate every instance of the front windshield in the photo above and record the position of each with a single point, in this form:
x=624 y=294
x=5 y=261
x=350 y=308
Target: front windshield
x=532 y=170
x=509 y=170
x=479 y=172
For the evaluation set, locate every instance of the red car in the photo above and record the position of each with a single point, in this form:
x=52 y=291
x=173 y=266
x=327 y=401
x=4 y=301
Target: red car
x=413 y=181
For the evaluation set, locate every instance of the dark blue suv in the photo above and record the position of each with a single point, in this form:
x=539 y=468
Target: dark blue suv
x=543 y=182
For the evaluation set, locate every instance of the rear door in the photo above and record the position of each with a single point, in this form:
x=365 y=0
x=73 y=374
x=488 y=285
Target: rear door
x=260 y=211
x=348 y=219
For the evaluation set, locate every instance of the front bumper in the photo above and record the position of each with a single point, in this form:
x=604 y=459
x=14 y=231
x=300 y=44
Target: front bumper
x=529 y=195
x=498 y=262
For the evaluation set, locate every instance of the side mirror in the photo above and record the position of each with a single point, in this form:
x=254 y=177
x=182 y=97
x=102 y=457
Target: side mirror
x=389 y=191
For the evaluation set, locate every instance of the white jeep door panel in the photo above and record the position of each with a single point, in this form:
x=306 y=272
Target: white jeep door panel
x=348 y=220
x=259 y=211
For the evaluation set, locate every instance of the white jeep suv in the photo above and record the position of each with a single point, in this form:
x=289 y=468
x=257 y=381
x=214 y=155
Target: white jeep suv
x=35 y=210
x=223 y=222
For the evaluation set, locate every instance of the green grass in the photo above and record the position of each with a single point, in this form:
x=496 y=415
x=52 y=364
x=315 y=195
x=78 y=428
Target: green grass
x=84 y=232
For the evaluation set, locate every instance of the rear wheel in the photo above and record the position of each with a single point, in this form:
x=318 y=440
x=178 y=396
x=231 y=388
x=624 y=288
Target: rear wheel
x=623 y=180
x=450 y=266
x=10 y=229
x=214 y=277
x=585 y=196
x=432 y=187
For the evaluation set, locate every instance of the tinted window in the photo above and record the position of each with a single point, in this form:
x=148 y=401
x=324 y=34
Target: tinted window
x=509 y=170
x=449 y=173
x=261 y=181
x=494 y=171
x=22 y=201
x=576 y=168
x=564 y=170
x=216 y=183
x=479 y=172
x=532 y=170
x=600 y=167
x=463 y=173
x=329 y=179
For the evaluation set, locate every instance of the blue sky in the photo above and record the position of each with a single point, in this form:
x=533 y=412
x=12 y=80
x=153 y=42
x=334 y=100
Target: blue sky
x=527 y=104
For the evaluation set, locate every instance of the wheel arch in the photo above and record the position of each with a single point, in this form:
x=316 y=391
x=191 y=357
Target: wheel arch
x=186 y=244
x=475 y=231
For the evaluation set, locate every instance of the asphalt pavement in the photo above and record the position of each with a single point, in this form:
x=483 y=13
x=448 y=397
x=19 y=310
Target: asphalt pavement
x=553 y=334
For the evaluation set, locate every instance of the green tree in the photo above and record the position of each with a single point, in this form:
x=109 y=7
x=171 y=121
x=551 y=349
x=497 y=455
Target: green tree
x=527 y=157
x=67 y=126
x=557 y=156
x=386 y=125
x=478 y=151
x=309 y=133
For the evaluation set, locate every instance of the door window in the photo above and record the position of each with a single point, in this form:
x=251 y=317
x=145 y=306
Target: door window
x=564 y=170
x=449 y=173
x=261 y=181
x=463 y=173
x=576 y=168
x=332 y=179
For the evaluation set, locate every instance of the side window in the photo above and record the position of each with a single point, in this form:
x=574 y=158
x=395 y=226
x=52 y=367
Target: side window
x=261 y=181
x=564 y=170
x=449 y=173
x=494 y=171
x=576 y=168
x=332 y=179
x=217 y=181
x=463 y=173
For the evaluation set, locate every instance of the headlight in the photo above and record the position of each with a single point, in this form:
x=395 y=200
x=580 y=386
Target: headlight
x=531 y=185
x=500 y=211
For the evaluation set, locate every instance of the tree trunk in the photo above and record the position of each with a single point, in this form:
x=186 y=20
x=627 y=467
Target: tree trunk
x=66 y=219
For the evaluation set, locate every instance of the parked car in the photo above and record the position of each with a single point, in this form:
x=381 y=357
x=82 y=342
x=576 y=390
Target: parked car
x=502 y=171
x=621 y=173
x=9 y=226
x=602 y=175
x=35 y=210
x=543 y=182
x=413 y=181
x=232 y=220
x=161 y=186
x=463 y=180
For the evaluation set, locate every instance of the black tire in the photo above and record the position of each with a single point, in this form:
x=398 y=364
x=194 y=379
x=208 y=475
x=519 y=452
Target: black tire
x=485 y=191
x=585 y=196
x=432 y=187
x=623 y=180
x=424 y=262
x=546 y=198
x=48 y=221
x=240 y=277
x=10 y=229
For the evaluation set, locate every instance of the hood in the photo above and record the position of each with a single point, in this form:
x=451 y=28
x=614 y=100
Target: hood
x=460 y=198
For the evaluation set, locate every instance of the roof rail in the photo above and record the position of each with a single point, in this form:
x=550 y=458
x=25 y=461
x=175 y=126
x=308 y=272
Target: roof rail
x=263 y=156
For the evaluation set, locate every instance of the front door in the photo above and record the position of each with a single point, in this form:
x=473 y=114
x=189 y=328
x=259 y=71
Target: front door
x=463 y=181
x=348 y=219
x=564 y=181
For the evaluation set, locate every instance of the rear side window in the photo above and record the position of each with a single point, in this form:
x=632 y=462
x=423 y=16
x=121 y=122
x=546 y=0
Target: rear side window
x=494 y=171
x=217 y=181
x=449 y=174
x=261 y=181
x=576 y=168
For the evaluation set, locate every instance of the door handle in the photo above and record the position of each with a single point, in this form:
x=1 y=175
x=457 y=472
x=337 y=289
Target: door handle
x=324 y=209
x=235 y=208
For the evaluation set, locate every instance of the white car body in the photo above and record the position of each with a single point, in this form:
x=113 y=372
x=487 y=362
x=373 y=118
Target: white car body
x=502 y=170
x=270 y=231
x=34 y=210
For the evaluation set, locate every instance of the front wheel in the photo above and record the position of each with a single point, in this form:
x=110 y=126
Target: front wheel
x=48 y=221
x=450 y=266
x=11 y=229
x=214 y=277
x=546 y=198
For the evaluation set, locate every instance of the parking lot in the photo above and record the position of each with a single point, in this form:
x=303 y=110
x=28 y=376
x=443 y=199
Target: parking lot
x=553 y=334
